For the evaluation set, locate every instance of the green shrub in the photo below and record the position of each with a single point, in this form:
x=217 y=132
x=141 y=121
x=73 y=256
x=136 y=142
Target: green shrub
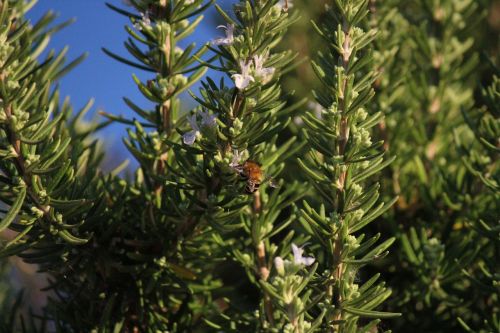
x=262 y=208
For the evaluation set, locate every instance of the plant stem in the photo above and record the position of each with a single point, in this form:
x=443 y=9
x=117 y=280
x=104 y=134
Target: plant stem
x=261 y=260
x=21 y=167
x=342 y=143
x=264 y=275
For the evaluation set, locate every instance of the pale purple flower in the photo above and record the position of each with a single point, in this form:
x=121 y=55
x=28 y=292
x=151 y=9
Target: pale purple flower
x=285 y=4
x=264 y=73
x=241 y=81
x=229 y=39
x=298 y=258
x=190 y=137
x=144 y=22
x=207 y=120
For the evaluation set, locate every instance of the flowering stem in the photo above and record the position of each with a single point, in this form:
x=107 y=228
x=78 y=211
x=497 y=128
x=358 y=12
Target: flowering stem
x=255 y=70
x=342 y=142
x=344 y=125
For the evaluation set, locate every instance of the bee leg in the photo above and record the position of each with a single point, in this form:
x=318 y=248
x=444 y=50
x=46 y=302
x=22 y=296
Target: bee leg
x=238 y=169
x=273 y=183
x=250 y=187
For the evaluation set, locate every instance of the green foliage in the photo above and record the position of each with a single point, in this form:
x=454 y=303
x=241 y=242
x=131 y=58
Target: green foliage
x=481 y=158
x=239 y=154
x=39 y=167
x=242 y=216
x=428 y=83
x=342 y=159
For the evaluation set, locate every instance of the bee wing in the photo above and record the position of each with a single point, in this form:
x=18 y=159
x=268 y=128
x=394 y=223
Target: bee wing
x=272 y=182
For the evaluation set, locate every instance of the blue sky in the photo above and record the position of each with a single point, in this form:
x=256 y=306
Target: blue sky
x=99 y=76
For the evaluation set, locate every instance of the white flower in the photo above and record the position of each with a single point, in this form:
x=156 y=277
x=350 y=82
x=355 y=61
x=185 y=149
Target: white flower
x=241 y=81
x=207 y=120
x=298 y=259
x=264 y=73
x=144 y=22
x=188 y=2
x=229 y=39
x=285 y=4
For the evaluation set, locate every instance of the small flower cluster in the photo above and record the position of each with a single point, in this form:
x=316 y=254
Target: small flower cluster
x=263 y=74
x=243 y=79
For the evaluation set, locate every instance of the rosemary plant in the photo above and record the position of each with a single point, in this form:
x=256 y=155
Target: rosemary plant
x=426 y=111
x=341 y=160
x=237 y=130
x=126 y=273
x=216 y=229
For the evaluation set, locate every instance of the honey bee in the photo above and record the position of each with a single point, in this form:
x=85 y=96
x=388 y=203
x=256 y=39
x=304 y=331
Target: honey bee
x=252 y=172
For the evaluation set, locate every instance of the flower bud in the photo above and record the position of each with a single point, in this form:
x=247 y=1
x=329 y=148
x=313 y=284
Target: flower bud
x=279 y=265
